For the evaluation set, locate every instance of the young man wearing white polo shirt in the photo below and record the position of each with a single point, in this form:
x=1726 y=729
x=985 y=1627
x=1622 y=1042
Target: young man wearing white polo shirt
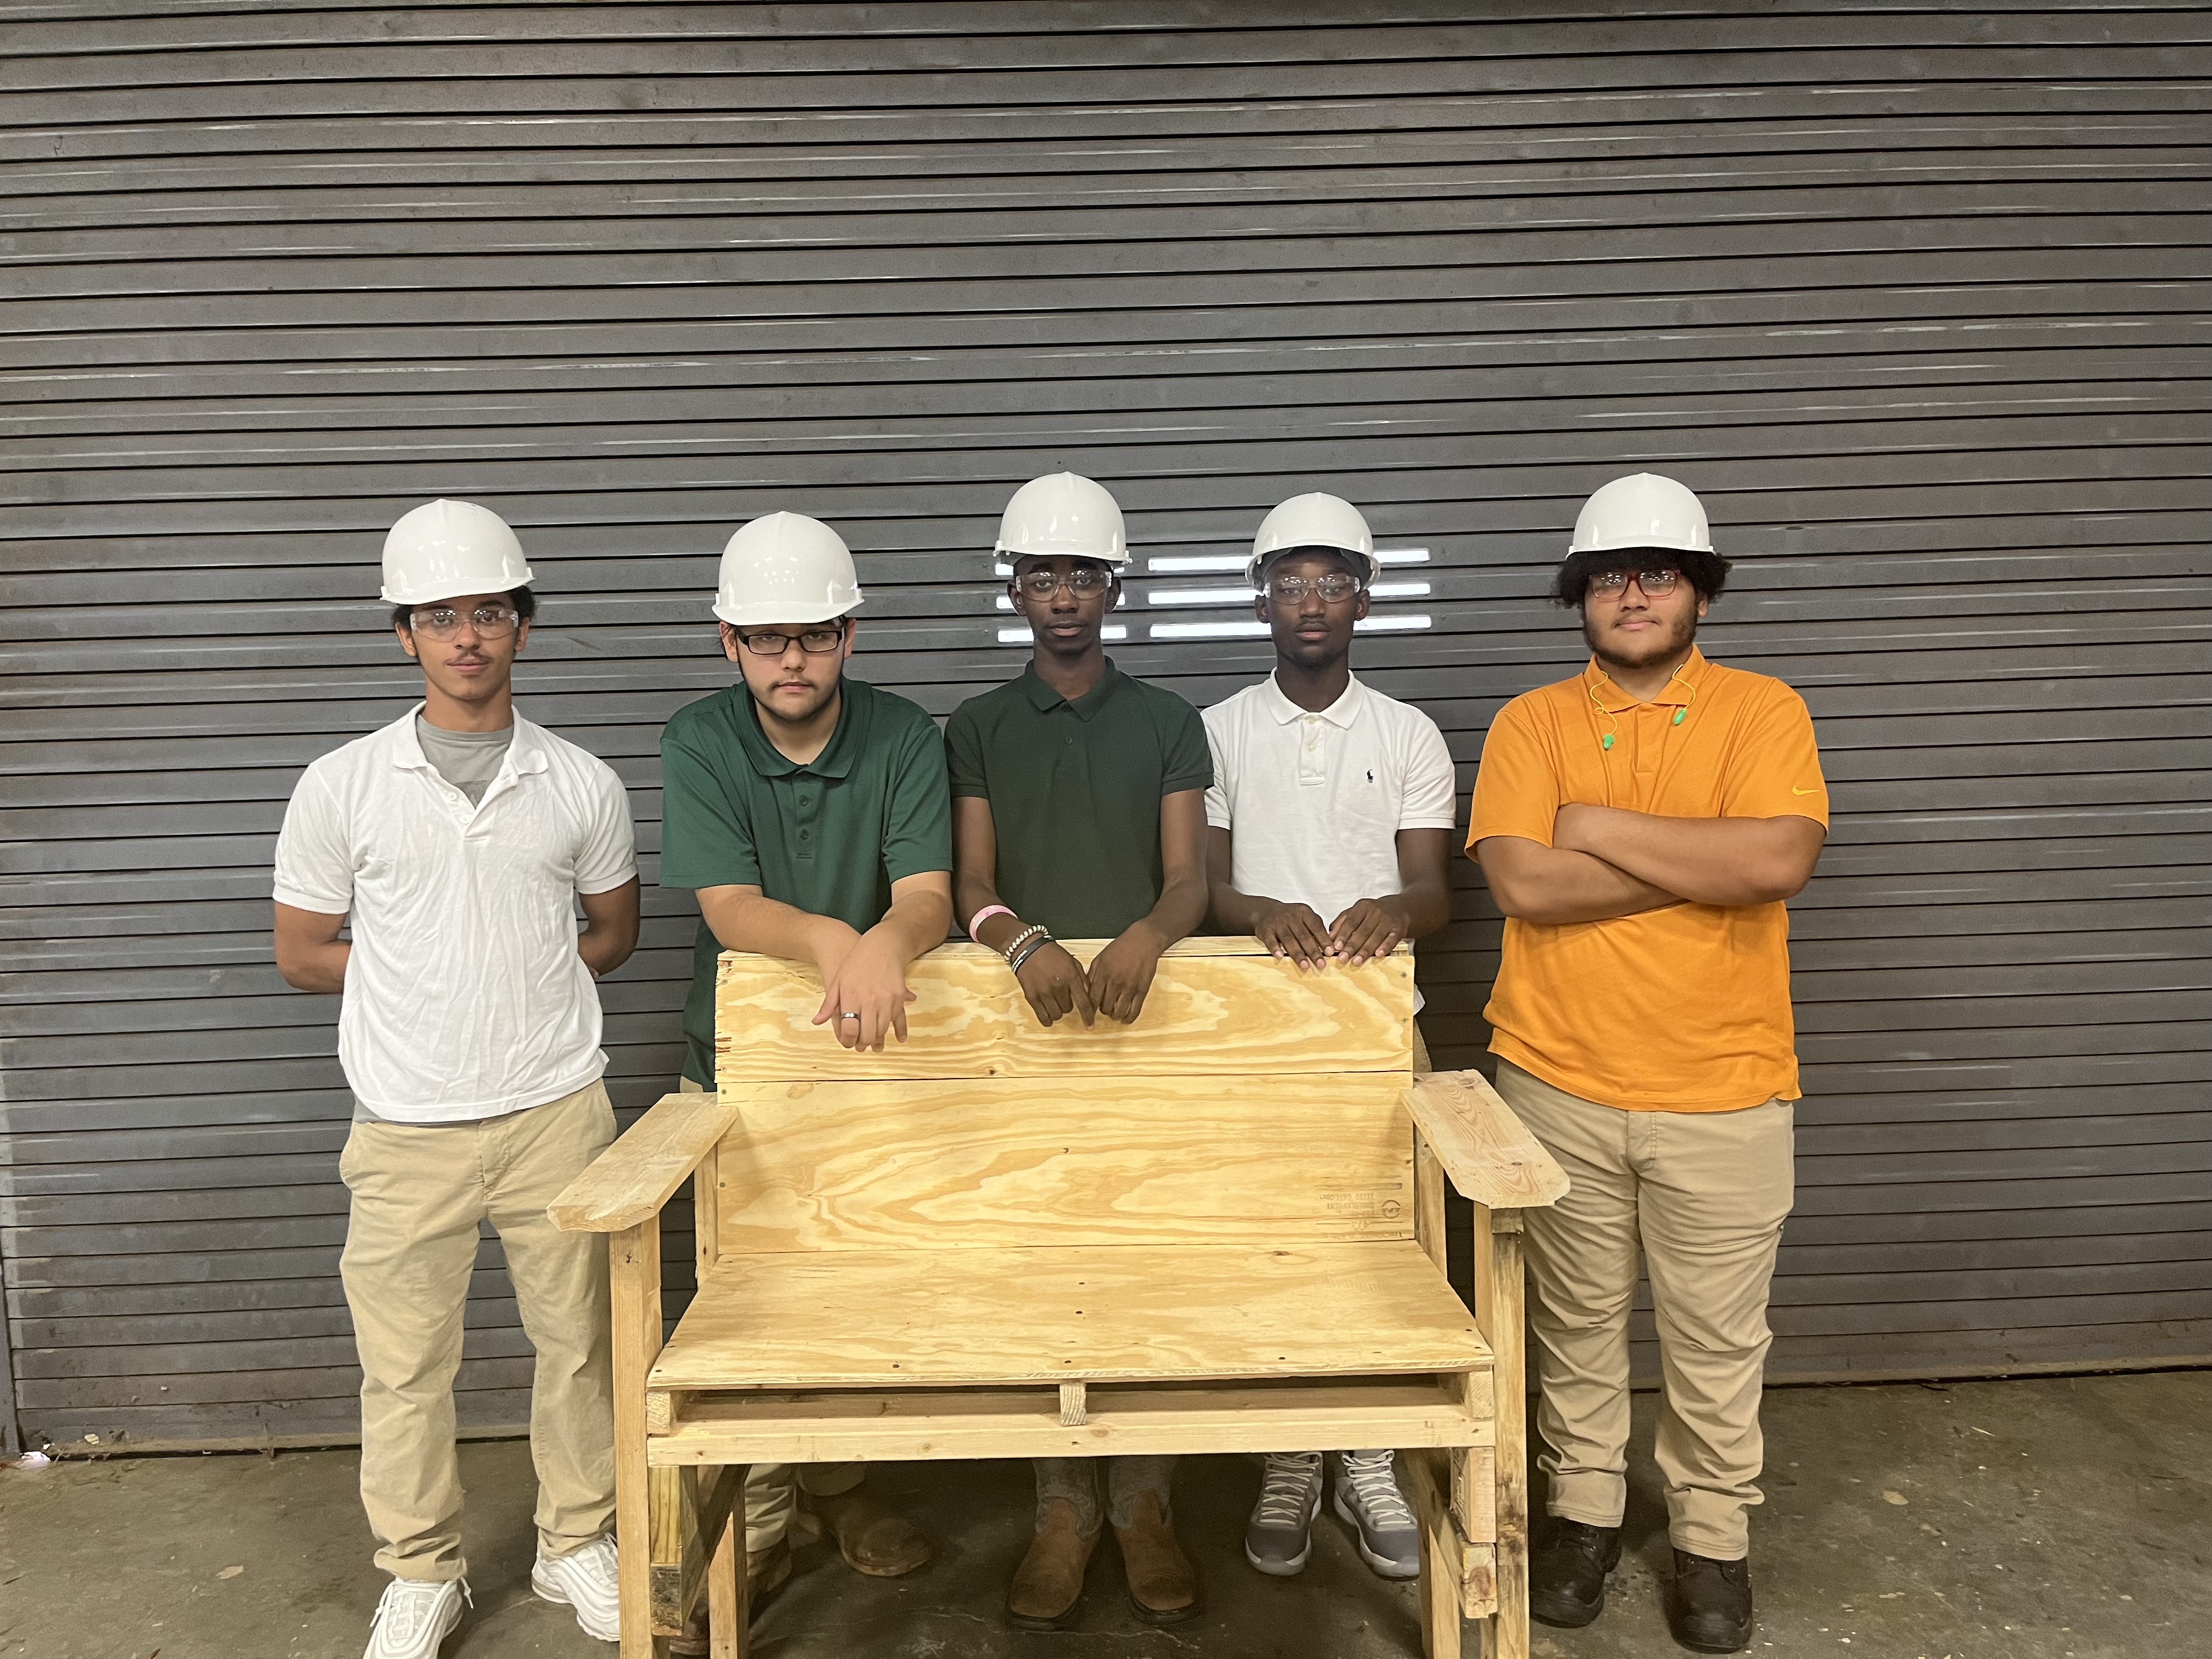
x=457 y=840
x=1330 y=821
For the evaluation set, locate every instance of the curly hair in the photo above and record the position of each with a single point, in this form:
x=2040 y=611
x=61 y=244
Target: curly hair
x=524 y=601
x=1708 y=572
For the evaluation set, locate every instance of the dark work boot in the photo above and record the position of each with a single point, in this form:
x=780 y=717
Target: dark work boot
x=1709 y=1605
x=1567 y=1570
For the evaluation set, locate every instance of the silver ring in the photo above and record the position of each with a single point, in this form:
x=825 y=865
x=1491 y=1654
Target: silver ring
x=848 y=1017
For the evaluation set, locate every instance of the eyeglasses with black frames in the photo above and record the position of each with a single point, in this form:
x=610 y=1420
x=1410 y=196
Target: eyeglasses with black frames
x=442 y=621
x=814 y=641
x=1656 y=584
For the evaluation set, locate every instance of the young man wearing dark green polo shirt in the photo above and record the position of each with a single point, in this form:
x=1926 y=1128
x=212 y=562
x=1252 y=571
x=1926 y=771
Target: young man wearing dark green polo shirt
x=808 y=811
x=1079 y=812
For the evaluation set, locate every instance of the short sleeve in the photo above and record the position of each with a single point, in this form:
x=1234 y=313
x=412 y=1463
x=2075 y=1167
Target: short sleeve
x=705 y=839
x=1516 y=786
x=918 y=807
x=1774 y=770
x=1217 y=793
x=608 y=857
x=1432 y=796
x=964 y=753
x=315 y=855
x=1189 y=761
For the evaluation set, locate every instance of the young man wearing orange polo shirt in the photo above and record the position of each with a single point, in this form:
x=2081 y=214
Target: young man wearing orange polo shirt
x=1641 y=825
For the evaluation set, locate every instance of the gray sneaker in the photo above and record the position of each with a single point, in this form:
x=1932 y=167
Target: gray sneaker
x=1369 y=1502
x=1280 y=1536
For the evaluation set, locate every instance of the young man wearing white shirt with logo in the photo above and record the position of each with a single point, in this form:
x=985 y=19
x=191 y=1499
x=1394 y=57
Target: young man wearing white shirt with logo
x=1330 y=824
x=458 y=841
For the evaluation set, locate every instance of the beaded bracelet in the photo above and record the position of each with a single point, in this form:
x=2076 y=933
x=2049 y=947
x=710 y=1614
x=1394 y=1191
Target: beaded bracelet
x=1023 y=953
x=1035 y=930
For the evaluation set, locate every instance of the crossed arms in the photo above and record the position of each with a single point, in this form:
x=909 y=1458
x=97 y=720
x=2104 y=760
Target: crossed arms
x=1607 y=861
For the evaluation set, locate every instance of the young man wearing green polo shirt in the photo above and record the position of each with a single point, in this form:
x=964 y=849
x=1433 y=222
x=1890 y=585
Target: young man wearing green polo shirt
x=1079 y=812
x=808 y=812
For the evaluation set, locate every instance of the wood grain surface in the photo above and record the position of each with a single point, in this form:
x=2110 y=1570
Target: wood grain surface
x=632 y=1179
x=1134 y=1313
x=1491 y=1157
x=1079 y=1160
x=1121 y=1419
x=1216 y=1005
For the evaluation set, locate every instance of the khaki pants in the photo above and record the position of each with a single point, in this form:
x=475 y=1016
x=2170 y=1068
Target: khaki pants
x=772 y=1489
x=418 y=1194
x=1704 y=1194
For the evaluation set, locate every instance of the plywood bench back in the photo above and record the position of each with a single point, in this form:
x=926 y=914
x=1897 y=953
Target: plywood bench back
x=1249 y=1103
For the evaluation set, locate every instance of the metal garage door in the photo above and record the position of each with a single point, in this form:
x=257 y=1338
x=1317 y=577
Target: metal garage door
x=1915 y=300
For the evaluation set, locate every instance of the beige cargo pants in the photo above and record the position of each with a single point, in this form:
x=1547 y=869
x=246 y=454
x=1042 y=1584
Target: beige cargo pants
x=1703 y=1195
x=772 y=1489
x=418 y=1194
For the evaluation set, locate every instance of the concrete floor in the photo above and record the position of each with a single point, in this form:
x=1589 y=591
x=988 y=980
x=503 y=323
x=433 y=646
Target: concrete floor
x=2061 y=1518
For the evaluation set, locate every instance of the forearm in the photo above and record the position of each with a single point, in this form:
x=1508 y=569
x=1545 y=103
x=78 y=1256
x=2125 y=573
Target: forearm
x=1181 y=908
x=1724 y=861
x=1234 y=912
x=1425 y=907
x=315 y=967
x=1531 y=882
x=751 y=921
x=914 y=924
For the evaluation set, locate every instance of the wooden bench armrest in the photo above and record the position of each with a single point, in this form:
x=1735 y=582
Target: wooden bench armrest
x=1485 y=1149
x=629 y=1182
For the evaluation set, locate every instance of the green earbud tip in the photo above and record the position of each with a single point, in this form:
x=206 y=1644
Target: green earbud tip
x=1679 y=714
x=1608 y=743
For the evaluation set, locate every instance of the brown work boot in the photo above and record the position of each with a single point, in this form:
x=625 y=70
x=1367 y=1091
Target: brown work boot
x=767 y=1571
x=874 y=1540
x=1049 y=1582
x=1163 y=1588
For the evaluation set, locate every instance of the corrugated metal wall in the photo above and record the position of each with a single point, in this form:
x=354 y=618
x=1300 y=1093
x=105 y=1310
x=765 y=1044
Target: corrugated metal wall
x=1916 y=299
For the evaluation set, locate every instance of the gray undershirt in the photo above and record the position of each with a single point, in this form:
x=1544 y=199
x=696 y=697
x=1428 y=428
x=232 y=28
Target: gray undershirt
x=469 y=761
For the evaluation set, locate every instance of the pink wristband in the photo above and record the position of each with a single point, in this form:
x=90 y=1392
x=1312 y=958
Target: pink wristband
x=984 y=914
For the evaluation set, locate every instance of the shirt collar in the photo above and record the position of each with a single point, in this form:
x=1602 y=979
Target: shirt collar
x=524 y=752
x=1677 y=693
x=835 y=760
x=1341 y=714
x=1043 y=698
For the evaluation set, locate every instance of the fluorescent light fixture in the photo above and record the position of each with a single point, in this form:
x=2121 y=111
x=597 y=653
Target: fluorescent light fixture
x=1023 y=637
x=1209 y=630
x=1207 y=564
x=1413 y=624
x=1416 y=590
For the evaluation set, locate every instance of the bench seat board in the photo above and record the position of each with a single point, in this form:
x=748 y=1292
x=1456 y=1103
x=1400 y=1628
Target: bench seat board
x=1021 y=1161
x=1123 y=1420
x=1218 y=1006
x=1134 y=1313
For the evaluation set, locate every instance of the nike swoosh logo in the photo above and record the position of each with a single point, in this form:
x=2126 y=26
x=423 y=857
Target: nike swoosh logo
x=1794 y=790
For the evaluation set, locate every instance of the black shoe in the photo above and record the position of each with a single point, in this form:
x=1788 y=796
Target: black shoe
x=1566 y=1572
x=1709 y=1608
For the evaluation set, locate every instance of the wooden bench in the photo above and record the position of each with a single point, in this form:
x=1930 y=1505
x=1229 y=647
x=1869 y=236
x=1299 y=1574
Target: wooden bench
x=1217 y=1229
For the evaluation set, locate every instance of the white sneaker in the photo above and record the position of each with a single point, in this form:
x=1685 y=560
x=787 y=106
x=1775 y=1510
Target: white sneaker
x=414 y=1617
x=587 y=1582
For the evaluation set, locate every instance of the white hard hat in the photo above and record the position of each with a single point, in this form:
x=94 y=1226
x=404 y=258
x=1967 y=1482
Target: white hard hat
x=1063 y=512
x=443 y=550
x=1315 y=520
x=1642 y=510
x=786 y=567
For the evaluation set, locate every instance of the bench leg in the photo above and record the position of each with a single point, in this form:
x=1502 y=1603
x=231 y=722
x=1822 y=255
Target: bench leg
x=727 y=1609
x=1501 y=1307
x=634 y=1261
x=1441 y=1629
